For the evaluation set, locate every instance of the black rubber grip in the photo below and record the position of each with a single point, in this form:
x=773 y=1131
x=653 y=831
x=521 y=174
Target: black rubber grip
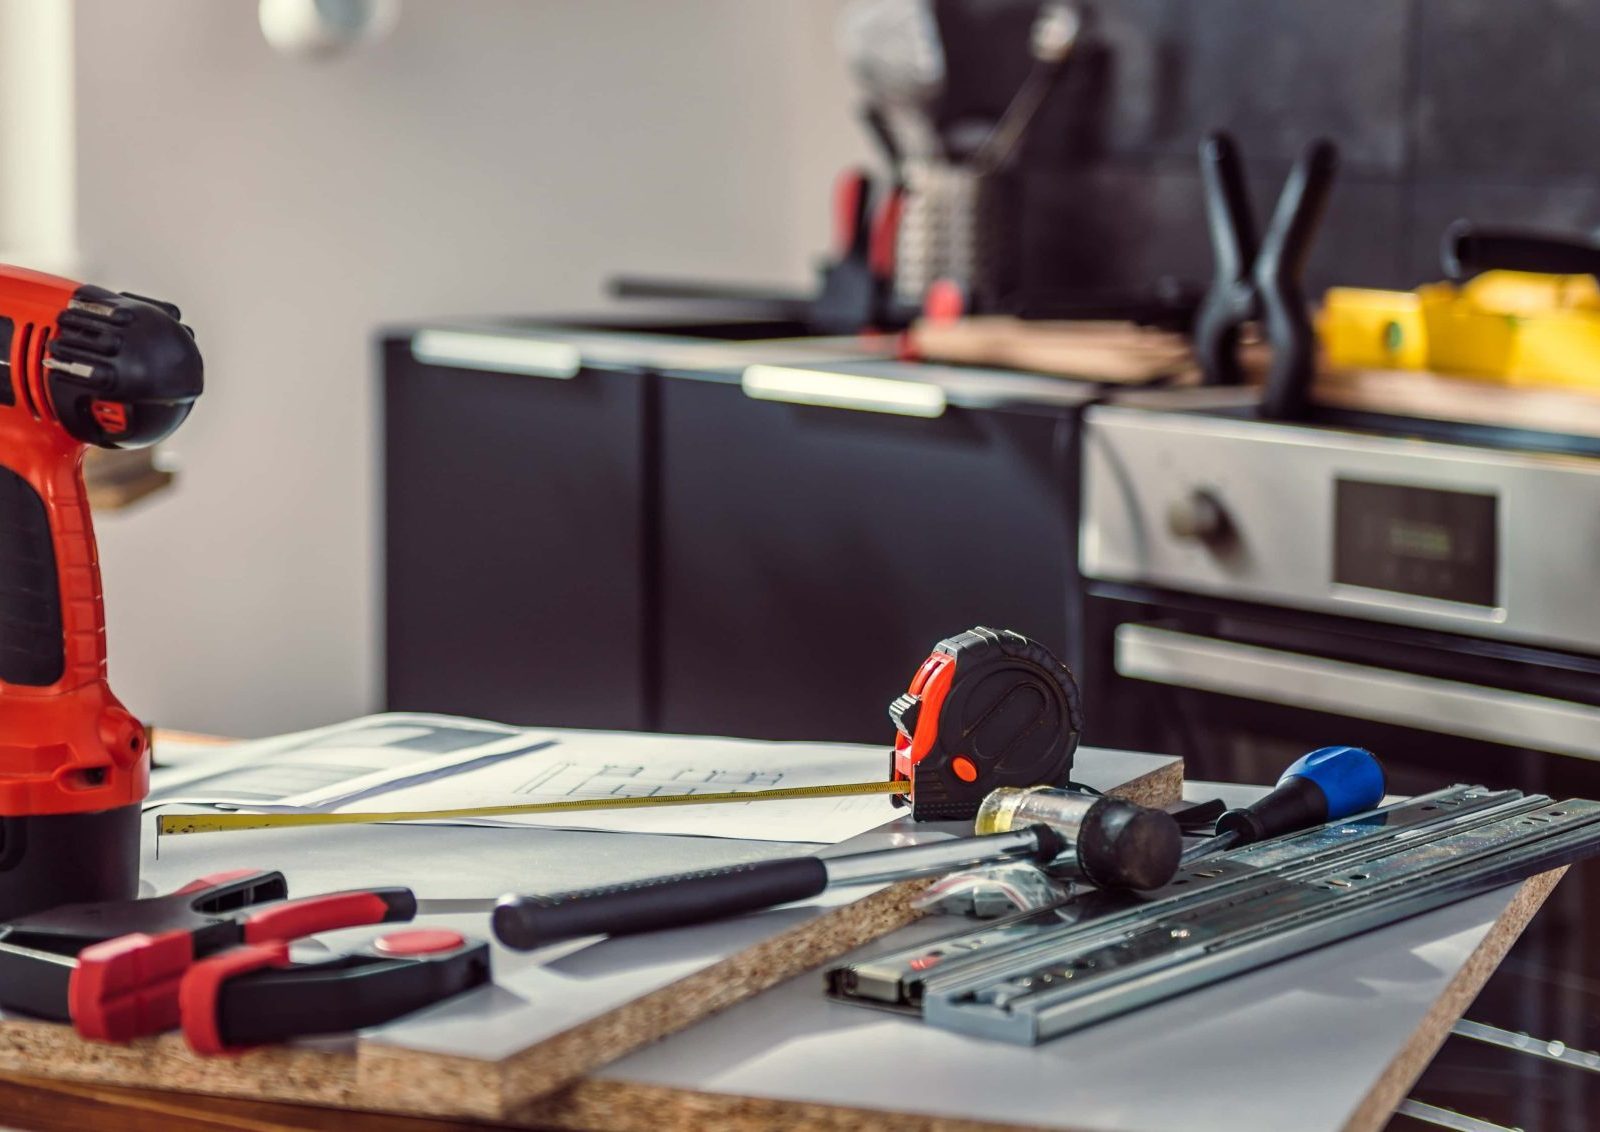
x=32 y=643
x=350 y=992
x=527 y=922
x=1469 y=250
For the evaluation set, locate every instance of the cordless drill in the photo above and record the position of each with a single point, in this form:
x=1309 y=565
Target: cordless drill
x=82 y=365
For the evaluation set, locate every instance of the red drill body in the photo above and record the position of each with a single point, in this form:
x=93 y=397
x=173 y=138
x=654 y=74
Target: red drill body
x=83 y=366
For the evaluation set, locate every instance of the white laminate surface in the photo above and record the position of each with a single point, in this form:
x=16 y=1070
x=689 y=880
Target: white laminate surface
x=1295 y=1046
x=543 y=993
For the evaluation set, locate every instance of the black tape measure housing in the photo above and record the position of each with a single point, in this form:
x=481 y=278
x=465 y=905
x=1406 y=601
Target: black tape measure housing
x=1011 y=715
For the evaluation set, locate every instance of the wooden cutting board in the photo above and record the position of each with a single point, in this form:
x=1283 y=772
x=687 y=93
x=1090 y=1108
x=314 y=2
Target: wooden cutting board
x=1115 y=352
x=1441 y=397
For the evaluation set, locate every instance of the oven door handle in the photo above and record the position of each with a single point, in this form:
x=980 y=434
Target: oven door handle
x=1446 y=707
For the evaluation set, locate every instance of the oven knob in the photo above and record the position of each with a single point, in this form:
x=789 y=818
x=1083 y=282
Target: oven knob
x=1199 y=516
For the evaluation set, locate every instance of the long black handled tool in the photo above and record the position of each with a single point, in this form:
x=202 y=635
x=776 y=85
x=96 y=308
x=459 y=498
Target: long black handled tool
x=526 y=921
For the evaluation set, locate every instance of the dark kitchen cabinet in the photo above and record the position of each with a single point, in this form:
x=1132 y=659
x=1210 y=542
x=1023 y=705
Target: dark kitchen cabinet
x=811 y=557
x=514 y=543
x=650 y=547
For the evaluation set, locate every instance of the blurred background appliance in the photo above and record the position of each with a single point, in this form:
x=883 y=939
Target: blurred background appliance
x=1415 y=584
x=1263 y=581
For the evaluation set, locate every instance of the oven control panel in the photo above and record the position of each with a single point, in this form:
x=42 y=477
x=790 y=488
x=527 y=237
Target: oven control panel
x=1469 y=540
x=1421 y=541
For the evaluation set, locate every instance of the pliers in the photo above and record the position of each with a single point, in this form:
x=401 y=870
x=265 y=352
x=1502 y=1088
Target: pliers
x=213 y=959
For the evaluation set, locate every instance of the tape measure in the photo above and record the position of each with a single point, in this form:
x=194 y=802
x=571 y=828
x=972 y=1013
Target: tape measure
x=988 y=708
x=219 y=823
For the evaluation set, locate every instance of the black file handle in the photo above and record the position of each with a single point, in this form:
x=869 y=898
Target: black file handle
x=527 y=922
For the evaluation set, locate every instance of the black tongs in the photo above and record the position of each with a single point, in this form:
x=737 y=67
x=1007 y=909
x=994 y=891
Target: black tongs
x=1261 y=283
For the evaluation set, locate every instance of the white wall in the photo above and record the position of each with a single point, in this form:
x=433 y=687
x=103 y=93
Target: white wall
x=38 y=189
x=498 y=155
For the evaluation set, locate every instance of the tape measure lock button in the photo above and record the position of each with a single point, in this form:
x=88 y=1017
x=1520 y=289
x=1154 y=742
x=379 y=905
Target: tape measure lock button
x=904 y=713
x=916 y=714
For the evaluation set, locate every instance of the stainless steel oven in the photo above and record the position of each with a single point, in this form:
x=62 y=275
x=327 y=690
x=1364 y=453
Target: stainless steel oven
x=1253 y=589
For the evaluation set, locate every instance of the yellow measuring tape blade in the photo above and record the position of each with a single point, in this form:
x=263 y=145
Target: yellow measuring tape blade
x=221 y=823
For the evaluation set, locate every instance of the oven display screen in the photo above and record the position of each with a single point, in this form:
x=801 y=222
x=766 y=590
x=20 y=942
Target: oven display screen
x=1416 y=540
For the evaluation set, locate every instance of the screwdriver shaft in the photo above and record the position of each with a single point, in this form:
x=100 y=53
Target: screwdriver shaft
x=1211 y=846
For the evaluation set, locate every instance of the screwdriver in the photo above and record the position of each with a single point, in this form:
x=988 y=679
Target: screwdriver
x=1328 y=784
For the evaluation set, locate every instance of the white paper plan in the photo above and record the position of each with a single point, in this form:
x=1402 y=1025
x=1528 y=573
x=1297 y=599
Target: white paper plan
x=404 y=761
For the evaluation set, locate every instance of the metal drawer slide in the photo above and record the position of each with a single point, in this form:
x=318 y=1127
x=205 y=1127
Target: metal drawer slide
x=1094 y=956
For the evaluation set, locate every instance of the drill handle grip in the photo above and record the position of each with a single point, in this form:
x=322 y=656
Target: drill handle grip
x=32 y=638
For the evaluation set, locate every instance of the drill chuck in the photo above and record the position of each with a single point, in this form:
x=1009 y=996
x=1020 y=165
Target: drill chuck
x=124 y=371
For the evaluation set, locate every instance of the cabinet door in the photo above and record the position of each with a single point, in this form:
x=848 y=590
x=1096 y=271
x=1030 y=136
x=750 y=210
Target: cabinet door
x=513 y=544
x=812 y=557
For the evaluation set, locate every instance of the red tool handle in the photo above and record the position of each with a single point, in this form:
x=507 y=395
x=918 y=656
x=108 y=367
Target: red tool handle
x=226 y=878
x=852 y=198
x=886 y=235
x=298 y=918
x=256 y=995
x=127 y=987
x=130 y=986
x=197 y=994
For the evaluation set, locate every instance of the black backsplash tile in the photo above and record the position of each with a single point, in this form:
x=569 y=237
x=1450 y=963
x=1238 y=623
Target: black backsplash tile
x=1273 y=72
x=1121 y=225
x=1362 y=241
x=1507 y=89
x=1113 y=225
x=986 y=55
x=1488 y=109
x=1134 y=99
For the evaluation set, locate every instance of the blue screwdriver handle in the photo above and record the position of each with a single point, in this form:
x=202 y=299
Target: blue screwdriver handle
x=1350 y=778
x=1328 y=784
